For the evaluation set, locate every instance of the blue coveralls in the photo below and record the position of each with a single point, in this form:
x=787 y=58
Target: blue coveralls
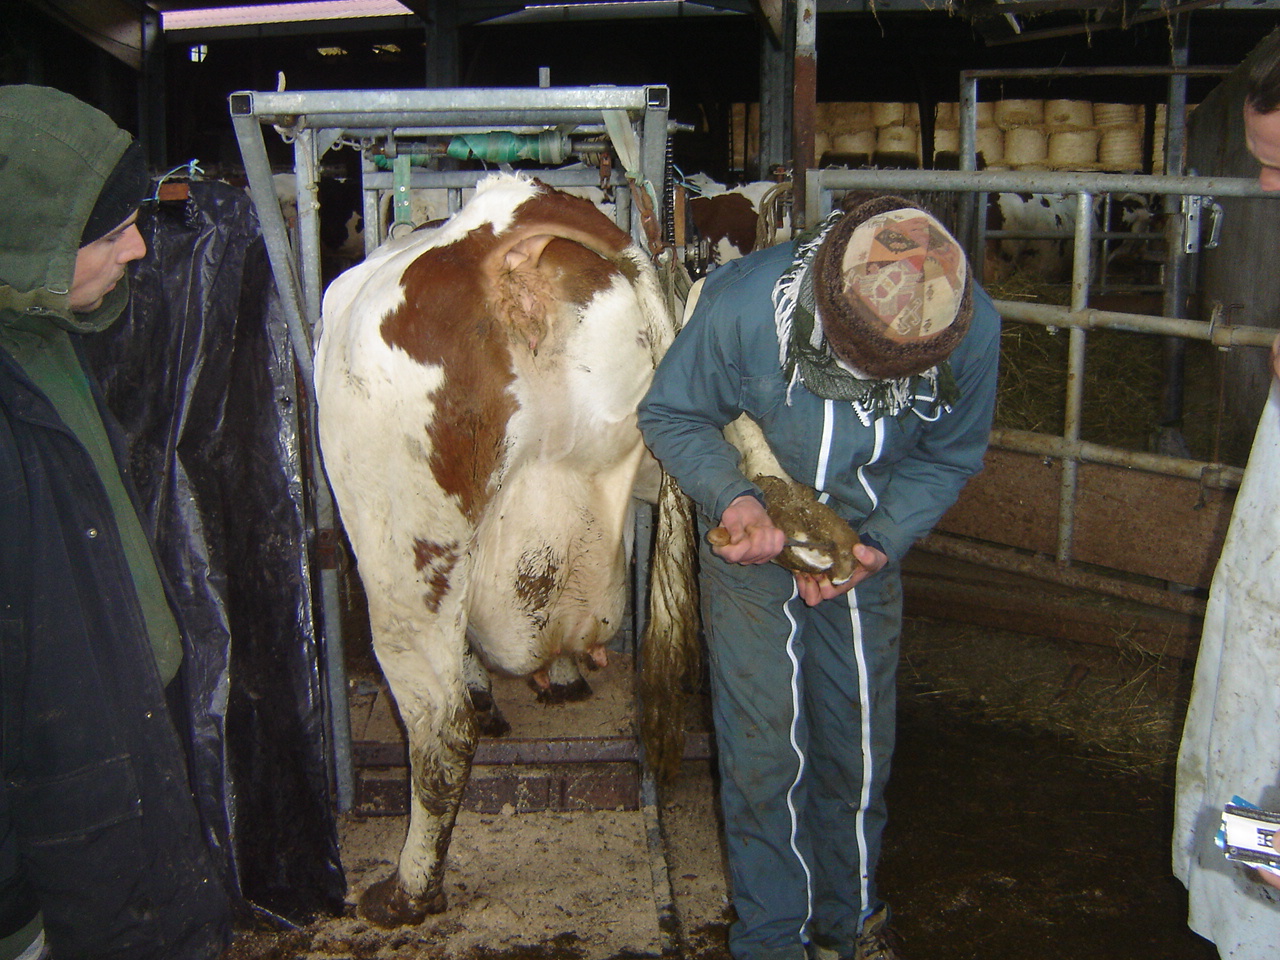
x=804 y=698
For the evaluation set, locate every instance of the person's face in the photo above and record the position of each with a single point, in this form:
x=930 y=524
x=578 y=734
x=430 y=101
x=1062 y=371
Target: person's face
x=101 y=264
x=1262 y=135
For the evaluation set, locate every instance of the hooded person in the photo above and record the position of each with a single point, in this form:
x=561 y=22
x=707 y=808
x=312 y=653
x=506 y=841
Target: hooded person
x=100 y=841
x=867 y=357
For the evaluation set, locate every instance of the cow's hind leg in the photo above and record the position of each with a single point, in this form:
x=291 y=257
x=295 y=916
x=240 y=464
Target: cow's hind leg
x=489 y=719
x=442 y=741
x=561 y=682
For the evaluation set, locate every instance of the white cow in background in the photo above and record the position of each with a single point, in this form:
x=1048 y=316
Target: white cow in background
x=1049 y=259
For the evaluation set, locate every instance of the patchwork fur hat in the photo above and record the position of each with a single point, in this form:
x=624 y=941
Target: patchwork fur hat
x=892 y=288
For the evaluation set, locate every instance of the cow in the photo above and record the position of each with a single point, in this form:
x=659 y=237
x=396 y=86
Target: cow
x=731 y=222
x=477 y=387
x=1048 y=222
x=1034 y=255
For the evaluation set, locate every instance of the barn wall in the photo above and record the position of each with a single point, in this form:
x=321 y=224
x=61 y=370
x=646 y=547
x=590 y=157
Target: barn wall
x=1239 y=274
x=1166 y=528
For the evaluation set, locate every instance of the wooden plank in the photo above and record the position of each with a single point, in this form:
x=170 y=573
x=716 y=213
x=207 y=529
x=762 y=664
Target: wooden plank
x=946 y=590
x=1167 y=528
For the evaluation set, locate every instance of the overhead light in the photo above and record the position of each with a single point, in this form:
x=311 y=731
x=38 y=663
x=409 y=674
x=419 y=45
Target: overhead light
x=331 y=51
x=610 y=10
x=266 y=13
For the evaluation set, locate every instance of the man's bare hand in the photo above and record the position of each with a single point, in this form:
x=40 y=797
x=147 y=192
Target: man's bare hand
x=815 y=588
x=752 y=536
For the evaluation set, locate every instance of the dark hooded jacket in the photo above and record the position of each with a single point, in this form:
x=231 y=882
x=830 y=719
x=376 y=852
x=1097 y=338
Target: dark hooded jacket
x=96 y=814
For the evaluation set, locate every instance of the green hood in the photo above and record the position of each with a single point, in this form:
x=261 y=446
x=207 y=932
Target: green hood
x=55 y=155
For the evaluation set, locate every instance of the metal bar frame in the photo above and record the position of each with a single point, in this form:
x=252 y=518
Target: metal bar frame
x=971 y=228
x=1078 y=318
x=316 y=121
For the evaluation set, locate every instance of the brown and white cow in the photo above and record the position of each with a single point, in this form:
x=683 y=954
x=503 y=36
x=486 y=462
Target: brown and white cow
x=731 y=222
x=477 y=387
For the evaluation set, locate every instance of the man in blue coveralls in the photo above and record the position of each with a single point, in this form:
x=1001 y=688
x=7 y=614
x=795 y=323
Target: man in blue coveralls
x=868 y=357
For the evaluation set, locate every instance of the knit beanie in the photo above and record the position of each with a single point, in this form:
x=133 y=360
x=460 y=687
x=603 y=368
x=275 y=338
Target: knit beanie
x=892 y=288
x=122 y=193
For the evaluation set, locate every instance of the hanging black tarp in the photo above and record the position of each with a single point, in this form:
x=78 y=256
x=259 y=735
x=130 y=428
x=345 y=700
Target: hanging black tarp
x=200 y=373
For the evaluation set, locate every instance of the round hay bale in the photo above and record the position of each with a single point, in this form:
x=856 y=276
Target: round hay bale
x=946 y=116
x=1073 y=149
x=946 y=140
x=1062 y=115
x=989 y=143
x=1010 y=114
x=888 y=114
x=864 y=141
x=1024 y=146
x=984 y=113
x=1113 y=114
x=1120 y=148
x=911 y=115
x=821 y=146
x=897 y=139
x=845 y=117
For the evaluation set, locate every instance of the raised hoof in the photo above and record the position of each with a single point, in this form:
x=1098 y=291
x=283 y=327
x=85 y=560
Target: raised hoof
x=386 y=904
x=563 y=692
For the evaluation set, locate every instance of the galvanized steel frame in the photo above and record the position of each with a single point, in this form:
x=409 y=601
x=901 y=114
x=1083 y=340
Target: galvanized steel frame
x=316 y=121
x=824 y=183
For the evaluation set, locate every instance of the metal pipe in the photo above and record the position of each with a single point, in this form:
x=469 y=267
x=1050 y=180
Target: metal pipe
x=1046 y=181
x=803 y=26
x=1176 y=275
x=1217 y=476
x=990 y=73
x=276 y=237
x=1075 y=375
x=971 y=227
x=400 y=109
x=305 y=165
x=1219 y=334
x=1001 y=558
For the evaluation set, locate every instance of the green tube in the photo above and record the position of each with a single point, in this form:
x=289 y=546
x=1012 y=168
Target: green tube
x=505 y=147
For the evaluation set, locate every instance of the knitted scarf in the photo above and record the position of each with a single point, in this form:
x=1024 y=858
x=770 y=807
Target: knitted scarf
x=805 y=357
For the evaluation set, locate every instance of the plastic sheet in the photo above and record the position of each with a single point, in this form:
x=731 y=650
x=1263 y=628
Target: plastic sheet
x=199 y=372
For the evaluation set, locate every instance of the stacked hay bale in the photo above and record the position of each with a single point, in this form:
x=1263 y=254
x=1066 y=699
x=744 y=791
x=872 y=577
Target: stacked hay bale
x=858 y=133
x=989 y=139
x=1018 y=134
x=845 y=129
x=1073 y=139
x=1120 y=137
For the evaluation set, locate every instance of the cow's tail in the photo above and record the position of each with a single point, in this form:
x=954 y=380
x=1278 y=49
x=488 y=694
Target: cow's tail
x=669 y=653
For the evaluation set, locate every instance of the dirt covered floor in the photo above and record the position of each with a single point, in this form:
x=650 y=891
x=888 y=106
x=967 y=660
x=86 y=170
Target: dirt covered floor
x=1030 y=811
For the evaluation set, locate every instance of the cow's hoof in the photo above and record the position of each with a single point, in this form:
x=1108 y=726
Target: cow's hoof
x=574 y=692
x=386 y=904
x=489 y=719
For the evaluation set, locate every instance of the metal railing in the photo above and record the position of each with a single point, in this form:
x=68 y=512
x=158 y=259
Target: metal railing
x=822 y=185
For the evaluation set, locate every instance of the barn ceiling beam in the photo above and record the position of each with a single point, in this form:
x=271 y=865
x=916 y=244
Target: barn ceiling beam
x=549 y=11
x=771 y=13
x=1111 y=16
x=111 y=25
